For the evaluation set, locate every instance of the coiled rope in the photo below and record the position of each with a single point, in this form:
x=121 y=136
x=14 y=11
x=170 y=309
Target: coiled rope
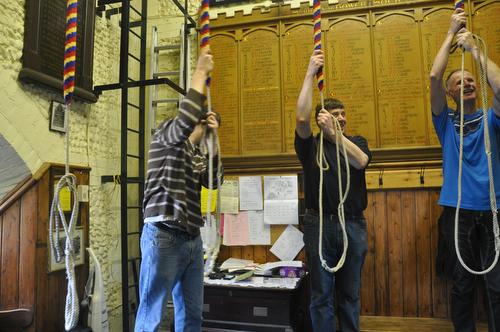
x=210 y=139
x=321 y=158
x=482 y=68
x=72 y=309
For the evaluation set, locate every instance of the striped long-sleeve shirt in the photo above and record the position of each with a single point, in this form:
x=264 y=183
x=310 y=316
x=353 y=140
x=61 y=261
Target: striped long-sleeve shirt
x=177 y=169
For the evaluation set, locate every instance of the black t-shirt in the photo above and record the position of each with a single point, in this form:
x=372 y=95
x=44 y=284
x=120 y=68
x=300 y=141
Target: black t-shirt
x=356 y=200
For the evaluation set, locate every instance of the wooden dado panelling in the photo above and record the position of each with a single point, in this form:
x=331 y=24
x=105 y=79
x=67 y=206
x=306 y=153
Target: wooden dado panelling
x=24 y=281
x=378 y=58
x=399 y=277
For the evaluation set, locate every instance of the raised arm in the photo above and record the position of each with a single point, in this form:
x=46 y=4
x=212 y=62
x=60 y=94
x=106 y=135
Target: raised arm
x=437 y=88
x=203 y=68
x=465 y=40
x=304 y=103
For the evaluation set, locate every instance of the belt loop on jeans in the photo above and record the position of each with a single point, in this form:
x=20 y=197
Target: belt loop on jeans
x=174 y=231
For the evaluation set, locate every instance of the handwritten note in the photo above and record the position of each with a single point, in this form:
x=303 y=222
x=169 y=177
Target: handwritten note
x=288 y=244
x=250 y=193
x=235 y=229
x=258 y=232
x=229 y=197
x=281 y=204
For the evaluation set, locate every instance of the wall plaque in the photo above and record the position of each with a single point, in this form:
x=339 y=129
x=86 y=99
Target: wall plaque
x=43 y=52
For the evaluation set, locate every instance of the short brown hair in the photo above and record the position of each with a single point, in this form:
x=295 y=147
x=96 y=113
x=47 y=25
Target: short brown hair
x=330 y=104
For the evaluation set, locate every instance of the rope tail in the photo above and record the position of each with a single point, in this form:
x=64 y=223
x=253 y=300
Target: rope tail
x=57 y=216
x=211 y=141
x=482 y=68
x=321 y=158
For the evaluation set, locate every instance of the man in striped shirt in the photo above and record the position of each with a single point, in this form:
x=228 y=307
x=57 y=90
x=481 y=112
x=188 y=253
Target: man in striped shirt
x=171 y=246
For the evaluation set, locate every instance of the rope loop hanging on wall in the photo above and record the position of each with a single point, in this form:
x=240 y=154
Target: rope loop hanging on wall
x=72 y=306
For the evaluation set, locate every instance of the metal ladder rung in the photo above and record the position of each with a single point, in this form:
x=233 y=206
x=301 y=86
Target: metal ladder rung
x=136 y=11
x=132 y=156
x=107 y=2
x=135 y=24
x=130 y=79
x=165 y=101
x=135 y=34
x=134 y=57
x=134 y=106
x=134 y=180
x=133 y=130
x=167 y=73
x=168 y=47
x=133 y=233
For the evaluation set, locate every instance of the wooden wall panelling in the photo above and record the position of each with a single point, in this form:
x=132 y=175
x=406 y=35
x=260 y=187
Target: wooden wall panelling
x=42 y=317
x=24 y=280
x=423 y=260
x=409 y=253
x=224 y=253
x=368 y=297
x=349 y=68
x=296 y=50
x=27 y=256
x=52 y=287
x=485 y=24
x=383 y=52
x=235 y=251
x=10 y=257
x=395 y=250
x=247 y=252
x=440 y=287
x=260 y=254
x=398 y=80
x=261 y=129
x=381 y=248
x=225 y=90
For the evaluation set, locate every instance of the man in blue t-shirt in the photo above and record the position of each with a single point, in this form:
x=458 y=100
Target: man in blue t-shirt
x=475 y=222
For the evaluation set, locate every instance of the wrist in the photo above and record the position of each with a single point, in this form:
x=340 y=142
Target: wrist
x=198 y=73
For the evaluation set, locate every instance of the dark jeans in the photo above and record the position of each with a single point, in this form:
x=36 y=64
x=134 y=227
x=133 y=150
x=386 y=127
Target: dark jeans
x=475 y=235
x=345 y=281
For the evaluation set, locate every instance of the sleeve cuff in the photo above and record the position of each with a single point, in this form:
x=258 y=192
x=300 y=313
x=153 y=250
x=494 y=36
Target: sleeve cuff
x=197 y=98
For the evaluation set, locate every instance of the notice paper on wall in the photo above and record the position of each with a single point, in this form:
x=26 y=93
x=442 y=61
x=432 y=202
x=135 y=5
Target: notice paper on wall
x=235 y=229
x=258 y=232
x=229 y=197
x=204 y=200
x=281 y=203
x=288 y=244
x=250 y=193
x=246 y=228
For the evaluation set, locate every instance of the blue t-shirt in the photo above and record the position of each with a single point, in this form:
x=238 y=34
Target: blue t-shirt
x=475 y=181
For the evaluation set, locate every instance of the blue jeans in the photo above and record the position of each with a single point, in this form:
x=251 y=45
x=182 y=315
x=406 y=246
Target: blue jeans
x=346 y=281
x=477 y=250
x=172 y=262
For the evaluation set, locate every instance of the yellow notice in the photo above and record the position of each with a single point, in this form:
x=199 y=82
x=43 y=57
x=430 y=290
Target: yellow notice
x=204 y=200
x=64 y=198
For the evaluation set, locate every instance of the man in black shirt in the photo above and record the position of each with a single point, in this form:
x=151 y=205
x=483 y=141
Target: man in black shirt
x=346 y=281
